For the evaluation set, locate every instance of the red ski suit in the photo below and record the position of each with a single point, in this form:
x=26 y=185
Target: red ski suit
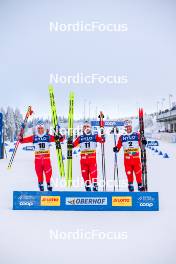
x=42 y=155
x=131 y=144
x=88 y=162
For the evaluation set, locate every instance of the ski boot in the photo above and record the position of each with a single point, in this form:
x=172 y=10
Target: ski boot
x=130 y=187
x=95 y=187
x=88 y=187
x=141 y=187
x=49 y=187
x=41 y=186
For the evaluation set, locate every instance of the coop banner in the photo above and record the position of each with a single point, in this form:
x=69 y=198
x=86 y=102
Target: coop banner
x=108 y=123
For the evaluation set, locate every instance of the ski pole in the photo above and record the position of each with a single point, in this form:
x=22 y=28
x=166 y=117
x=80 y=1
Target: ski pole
x=116 y=170
x=101 y=124
x=23 y=125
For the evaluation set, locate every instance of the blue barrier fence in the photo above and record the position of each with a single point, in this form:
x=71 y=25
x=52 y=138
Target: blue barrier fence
x=86 y=201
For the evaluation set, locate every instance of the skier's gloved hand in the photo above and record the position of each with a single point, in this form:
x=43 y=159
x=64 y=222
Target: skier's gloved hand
x=20 y=138
x=103 y=138
x=70 y=142
x=115 y=149
x=144 y=141
x=59 y=137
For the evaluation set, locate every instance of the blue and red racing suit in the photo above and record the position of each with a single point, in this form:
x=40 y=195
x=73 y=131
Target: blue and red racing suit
x=131 y=145
x=42 y=155
x=88 y=162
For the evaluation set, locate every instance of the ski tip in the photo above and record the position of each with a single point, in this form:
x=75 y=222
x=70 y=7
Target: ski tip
x=72 y=94
x=50 y=87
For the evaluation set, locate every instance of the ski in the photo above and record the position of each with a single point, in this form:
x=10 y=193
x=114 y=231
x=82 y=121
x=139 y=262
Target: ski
x=116 y=170
x=143 y=150
x=70 y=140
x=56 y=131
x=101 y=124
x=21 y=133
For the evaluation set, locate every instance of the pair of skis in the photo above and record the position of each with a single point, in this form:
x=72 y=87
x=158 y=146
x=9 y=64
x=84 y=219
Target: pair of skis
x=22 y=130
x=143 y=150
x=70 y=136
x=56 y=131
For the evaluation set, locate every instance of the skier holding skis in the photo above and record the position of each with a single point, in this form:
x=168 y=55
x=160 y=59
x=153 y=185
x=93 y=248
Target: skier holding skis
x=131 y=143
x=41 y=140
x=88 y=143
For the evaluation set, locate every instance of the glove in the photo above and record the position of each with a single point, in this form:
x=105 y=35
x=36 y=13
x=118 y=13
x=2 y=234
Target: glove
x=115 y=149
x=103 y=138
x=70 y=142
x=20 y=138
x=144 y=142
x=59 y=137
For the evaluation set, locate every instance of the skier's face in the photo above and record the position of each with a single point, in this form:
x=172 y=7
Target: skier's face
x=40 y=130
x=128 y=129
x=87 y=129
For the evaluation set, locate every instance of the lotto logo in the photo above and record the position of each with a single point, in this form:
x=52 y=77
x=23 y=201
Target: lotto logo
x=50 y=201
x=121 y=201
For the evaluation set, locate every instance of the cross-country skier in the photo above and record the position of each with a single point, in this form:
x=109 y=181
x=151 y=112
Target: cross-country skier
x=131 y=143
x=88 y=144
x=41 y=140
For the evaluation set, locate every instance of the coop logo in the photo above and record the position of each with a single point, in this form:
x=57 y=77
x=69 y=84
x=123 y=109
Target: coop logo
x=110 y=123
x=146 y=204
x=26 y=200
x=86 y=201
x=26 y=203
x=121 y=201
x=50 y=201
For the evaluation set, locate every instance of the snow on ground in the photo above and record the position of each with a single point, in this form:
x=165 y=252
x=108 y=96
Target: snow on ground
x=25 y=237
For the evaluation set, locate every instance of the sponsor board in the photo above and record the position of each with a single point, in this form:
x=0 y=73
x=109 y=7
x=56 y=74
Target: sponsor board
x=121 y=201
x=83 y=201
x=107 y=123
x=29 y=148
x=152 y=143
x=50 y=201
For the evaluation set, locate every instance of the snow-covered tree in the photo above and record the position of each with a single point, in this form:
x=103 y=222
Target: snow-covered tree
x=18 y=118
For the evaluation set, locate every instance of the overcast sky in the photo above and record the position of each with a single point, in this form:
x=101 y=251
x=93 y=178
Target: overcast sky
x=29 y=52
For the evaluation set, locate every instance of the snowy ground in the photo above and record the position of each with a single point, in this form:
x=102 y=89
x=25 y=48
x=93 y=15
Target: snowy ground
x=25 y=235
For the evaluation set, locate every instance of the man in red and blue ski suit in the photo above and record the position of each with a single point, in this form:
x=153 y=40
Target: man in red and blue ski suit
x=88 y=162
x=41 y=142
x=131 y=143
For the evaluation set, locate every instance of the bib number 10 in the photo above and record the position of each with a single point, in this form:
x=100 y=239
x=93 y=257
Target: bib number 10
x=42 y=145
